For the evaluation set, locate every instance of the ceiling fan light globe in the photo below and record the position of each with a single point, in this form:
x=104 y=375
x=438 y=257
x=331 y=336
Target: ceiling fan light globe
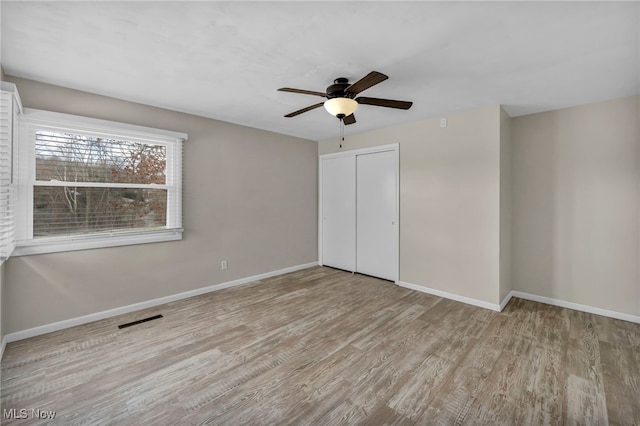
x=340 y=106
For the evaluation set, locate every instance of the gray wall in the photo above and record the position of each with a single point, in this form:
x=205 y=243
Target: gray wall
x=576 y=204
x=506 y=202
x=250 y=197
x=449 y=200
x=546 y=204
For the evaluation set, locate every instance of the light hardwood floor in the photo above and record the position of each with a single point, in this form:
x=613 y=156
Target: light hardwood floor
x=326 y=347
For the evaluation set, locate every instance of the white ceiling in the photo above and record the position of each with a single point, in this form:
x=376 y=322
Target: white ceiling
x=225 y=60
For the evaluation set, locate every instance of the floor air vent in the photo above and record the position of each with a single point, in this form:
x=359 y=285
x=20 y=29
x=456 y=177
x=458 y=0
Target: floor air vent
x=129 y=324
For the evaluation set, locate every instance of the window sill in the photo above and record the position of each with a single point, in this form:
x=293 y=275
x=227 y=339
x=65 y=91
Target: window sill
x=56 y=245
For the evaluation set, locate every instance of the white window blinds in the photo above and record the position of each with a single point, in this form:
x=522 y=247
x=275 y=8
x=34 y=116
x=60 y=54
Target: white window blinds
x=9 y=108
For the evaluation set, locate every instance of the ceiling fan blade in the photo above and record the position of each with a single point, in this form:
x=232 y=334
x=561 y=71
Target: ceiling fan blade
x=389 y=103
x=349 y=119
x=371 y=79
x=304 y=92
x=300 y=111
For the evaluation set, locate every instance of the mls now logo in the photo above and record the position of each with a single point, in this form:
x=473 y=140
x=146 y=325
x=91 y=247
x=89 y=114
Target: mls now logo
x=23 y=413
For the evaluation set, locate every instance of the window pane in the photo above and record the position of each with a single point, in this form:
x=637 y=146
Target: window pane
x=71 y=210
x=77 y=158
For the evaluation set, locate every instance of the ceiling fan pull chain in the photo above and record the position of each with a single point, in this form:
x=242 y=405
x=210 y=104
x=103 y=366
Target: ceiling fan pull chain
x=341 y=133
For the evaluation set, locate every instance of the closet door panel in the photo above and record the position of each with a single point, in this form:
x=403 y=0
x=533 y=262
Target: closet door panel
x=376 y=198
x=339 y=213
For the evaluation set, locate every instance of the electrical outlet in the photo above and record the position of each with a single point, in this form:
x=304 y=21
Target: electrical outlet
x=443 y=122
x=223 y=265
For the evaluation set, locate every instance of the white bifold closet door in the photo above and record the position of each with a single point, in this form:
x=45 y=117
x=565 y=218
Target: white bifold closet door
x=339 y=213
x=376 y=222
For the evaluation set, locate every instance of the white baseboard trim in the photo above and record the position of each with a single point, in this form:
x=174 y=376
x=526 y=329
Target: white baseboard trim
x=452 y=296
x=506 y=300
x=576 y=306
x=526 y=296
x=60 y=325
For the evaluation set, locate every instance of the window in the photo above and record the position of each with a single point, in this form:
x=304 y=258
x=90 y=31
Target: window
x=10 y=107
x=87 y=183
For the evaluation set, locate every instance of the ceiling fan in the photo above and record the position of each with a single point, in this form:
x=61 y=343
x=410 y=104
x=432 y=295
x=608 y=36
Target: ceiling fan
x=341 y=97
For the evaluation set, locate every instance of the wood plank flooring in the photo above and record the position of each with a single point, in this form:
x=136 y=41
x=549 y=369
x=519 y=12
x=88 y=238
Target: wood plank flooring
x=326 y=347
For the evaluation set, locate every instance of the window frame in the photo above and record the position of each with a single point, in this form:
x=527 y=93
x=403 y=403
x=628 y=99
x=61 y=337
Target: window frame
x=32 y=121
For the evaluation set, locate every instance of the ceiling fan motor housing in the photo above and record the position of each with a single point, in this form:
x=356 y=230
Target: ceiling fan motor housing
x=337 y=89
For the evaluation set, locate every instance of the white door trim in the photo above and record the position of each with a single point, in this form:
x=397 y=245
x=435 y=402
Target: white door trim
x=353 y=153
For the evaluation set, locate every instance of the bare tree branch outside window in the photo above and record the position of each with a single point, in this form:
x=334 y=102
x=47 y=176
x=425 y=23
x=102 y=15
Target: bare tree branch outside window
x=86 y=190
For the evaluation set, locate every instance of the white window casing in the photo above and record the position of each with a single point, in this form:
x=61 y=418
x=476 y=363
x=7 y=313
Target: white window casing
x=39 y=124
